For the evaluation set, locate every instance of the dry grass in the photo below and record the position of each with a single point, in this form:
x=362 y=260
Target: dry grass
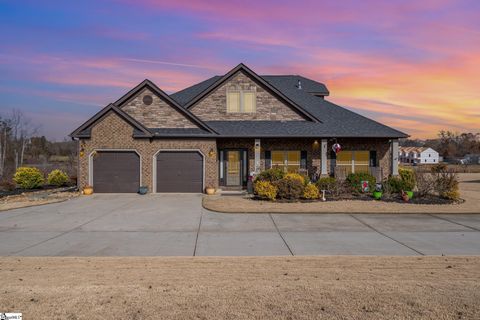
x=241 y=288
x=469 y=191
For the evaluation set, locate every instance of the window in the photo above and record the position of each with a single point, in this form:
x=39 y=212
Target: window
x=353 y=161
x=289 y=161
x=233 y=101
x=241 y=101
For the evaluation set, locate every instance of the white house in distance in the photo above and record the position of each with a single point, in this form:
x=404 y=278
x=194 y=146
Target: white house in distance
x=417 y=155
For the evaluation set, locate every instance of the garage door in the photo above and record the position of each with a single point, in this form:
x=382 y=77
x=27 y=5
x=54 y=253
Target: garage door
x=116 y=171
x=179 y=171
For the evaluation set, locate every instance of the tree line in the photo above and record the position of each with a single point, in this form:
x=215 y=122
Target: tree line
x=449 y=144
x=21 y=145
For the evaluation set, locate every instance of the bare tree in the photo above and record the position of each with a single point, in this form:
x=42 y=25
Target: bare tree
x=5 y=128
x=22 y=131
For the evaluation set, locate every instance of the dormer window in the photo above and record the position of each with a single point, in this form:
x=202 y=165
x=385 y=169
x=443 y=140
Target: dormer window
x=241 y=100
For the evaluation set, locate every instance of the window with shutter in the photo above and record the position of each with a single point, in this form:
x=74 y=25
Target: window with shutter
x=241 y=101
x=233 y=101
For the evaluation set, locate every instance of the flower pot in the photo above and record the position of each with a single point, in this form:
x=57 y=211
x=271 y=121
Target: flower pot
x=88 y=190
x=377 y=195
x=409 y=194
x=210 y=190
x=143 y=190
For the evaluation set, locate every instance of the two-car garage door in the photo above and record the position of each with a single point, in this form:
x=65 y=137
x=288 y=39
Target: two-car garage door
x=119 y=171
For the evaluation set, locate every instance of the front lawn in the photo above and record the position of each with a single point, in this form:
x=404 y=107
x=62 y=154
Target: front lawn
x=241 y=287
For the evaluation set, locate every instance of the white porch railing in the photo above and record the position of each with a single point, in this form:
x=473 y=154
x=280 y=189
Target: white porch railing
x=341 y=172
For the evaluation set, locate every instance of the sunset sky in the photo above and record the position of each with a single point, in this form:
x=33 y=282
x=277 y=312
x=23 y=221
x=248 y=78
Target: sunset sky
x=413 y=65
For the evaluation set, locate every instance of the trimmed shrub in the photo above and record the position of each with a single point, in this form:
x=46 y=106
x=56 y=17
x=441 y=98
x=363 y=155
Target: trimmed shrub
x=327 y=183
x=57 y=178
x=28 y=177
x=311 y=192
x=291 y=189
x=408 y=177
x=271 y=175
x=355 y=180
x=394 y=185
x=265 y=190
x=295 y=176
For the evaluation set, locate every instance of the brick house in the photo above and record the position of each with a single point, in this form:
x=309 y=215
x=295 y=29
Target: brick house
x=219 y=131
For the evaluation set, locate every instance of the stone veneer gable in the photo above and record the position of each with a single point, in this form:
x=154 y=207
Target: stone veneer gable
x=214 y=105
x=157 y=115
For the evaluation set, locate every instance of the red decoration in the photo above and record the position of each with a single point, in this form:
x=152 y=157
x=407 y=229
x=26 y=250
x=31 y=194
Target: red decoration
x=336 y=148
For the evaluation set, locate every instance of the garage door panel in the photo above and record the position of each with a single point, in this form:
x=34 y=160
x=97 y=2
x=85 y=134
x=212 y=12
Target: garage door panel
x=116 y=171
x=179 y=171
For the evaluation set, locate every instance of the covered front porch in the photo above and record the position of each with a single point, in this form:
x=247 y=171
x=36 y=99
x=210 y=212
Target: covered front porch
x=242 y=157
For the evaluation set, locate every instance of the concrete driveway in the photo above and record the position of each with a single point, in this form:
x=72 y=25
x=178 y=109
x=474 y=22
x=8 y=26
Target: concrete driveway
x=133 y=225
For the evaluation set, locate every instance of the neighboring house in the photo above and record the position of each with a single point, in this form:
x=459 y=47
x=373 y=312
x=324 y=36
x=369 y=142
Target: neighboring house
x=418 y=155
x=219 y=131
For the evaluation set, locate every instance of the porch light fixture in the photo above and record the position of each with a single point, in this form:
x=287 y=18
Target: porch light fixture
x=211 y=153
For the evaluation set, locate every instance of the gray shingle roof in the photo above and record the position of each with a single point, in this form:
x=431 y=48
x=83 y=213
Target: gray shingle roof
x=336 y=121
x=308 y=85
x=285 y=129
x=179 y=132
x=187 y=94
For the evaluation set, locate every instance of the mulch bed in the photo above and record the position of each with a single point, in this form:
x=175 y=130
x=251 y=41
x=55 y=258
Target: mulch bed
x=430 y=199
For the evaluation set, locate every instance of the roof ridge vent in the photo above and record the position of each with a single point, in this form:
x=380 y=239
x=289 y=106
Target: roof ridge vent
x=299 y=85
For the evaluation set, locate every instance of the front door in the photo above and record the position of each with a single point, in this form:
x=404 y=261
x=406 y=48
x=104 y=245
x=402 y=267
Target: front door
x=233 y=165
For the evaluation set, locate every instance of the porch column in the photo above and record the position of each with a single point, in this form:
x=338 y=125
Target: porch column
x=394 y=157
x=257 y=156
x=323 y=157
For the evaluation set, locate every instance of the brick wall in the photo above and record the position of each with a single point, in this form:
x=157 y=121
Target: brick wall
x=214 y=105
x=112 y=132
x=159 y=114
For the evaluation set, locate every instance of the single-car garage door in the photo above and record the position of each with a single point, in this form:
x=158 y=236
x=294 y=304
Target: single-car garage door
x=179 y=171
x=116 y=171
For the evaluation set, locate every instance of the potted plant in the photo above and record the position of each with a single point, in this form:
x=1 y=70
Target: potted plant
x=88 y=190
x=210 y=190
x=377 y=194
x=404 y=196
x=143 y=190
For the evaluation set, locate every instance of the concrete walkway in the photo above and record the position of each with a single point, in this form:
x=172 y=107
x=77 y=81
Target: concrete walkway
x=152 y=225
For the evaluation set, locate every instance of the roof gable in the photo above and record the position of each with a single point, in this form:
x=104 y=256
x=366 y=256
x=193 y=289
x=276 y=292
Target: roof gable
x=85 y=129
x=254 y=77
x=149 y=85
